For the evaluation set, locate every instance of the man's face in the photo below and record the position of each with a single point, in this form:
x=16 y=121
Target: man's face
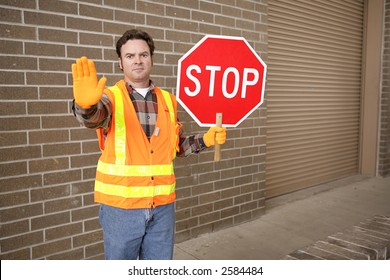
x=136 y=63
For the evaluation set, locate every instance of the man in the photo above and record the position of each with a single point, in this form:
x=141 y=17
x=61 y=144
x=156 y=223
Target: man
x=139 y=136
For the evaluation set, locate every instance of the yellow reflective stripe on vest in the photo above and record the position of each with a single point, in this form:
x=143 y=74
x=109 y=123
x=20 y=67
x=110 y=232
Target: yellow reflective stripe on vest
x=135 y=170
x=129 y=192
x=120 y=127
x=168 y=101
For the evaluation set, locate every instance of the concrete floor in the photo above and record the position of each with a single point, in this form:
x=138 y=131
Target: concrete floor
x=294 y=221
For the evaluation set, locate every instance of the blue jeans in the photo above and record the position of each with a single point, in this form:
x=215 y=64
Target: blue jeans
x=145 y=234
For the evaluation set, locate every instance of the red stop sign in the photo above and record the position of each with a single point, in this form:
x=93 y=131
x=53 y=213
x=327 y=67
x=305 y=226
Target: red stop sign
x=221 y=74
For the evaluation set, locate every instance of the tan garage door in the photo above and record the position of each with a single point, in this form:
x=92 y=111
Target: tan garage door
x=313 y=92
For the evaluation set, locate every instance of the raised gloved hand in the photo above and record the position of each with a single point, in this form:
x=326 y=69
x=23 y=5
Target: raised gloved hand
x=86 y=89
x=215 y=135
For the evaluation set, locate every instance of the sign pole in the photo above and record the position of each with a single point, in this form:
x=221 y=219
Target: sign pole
x=217 y=147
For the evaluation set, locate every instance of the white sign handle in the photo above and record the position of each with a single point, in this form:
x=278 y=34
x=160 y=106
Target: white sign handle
x=217 y=147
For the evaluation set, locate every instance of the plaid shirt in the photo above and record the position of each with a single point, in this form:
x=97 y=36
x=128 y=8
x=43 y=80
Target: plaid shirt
x=146 y=108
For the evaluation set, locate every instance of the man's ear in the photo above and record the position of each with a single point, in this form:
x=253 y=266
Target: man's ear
x=120 y=64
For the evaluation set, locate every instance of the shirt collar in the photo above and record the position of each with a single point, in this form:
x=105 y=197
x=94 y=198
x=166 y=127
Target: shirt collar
x=130 y=88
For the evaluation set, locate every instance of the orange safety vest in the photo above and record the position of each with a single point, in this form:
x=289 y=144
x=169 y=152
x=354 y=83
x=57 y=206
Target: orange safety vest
x=132 y=171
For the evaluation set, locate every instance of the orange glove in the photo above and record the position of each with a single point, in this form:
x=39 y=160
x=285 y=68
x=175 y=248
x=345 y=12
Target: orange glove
x=215 y=134
x=86 y=89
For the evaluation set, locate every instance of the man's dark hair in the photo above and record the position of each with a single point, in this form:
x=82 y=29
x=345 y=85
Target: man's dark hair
x=134 y=34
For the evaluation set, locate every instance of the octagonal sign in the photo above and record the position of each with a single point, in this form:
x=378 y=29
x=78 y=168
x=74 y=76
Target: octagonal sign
x=221 y=74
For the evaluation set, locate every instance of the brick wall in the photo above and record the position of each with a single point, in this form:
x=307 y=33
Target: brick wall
x=384 y=148
x=47 y=161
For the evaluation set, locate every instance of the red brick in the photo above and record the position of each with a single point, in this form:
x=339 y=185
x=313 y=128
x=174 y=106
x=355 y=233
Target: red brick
x=222 y=223
x=82 y=187
x=11 y=78
x=245 y=198
x=84 y=24
x=19 y=93
x=187 y=4
x=50 y=248
x=128 y=16
x=152 y=8
x=14 y=228
x=91 y=225
x=63 y=231
x=29 y=152
x=94 y=250
x=85 y=213
x=187 y=203
x=52 y=92
x=90 y=147
x=62 y=204
x=203 y=16
x=100 y=13
x=89 y=173
x=45 y=49
x=50 y=193
x=19 y=63
x=210 y=7
x=11 y=47
x=21 y=212
x=21 y=241
x=12 y=108
x=65 y=121
x=44 y=165
x=203 y=229
x=186 y=224
x=50 y=220
x=54 y=65
x=12 y=169
x=77 y=254
x=61 y=177
x=48 y=136
x=209 y=197
x=209 y=218
x=243 y=180
x=183 y=214
x=221 y=204
x=202 y=209
x=228 y=212
x=65 y=149
x=84 y=160
x=45 y=78
x=209 y=28
x=96 y=40
x=230 y=192
x=44 y=19
x=242 y=218
x=23 y=254
x=58 y=36
x=209 y=177
x=13 y=199
x=17 y=32
x=124 y=4
x=20 y=182
x=88 y=238
x=62 y=7
x=177 y=12
x=31 y=4
x=89 y=199
x=202 y=189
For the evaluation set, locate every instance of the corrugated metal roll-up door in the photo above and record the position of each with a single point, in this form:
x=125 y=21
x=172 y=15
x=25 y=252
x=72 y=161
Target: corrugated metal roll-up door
x=313 y=92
